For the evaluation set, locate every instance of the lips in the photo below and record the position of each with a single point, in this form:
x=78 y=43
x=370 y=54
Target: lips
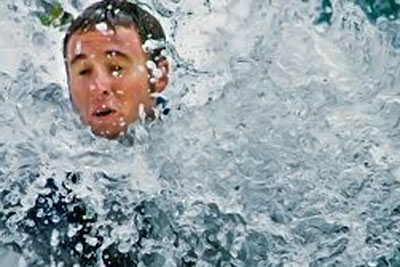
x=103 y=112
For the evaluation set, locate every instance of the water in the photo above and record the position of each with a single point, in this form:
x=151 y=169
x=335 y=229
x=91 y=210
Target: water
x=280 y=148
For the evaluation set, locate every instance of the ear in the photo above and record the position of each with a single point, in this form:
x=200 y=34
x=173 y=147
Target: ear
x=162 y=82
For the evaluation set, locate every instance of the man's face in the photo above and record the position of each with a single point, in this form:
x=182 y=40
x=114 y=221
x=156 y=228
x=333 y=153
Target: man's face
x=108 y=79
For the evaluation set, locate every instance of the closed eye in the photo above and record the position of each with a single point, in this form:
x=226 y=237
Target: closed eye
x=84 y=72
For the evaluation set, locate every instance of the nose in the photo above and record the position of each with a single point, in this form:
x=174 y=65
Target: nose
x=101 y=84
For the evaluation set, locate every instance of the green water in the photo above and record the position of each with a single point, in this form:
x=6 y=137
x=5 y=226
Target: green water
x=375 y=9
x=52 y=14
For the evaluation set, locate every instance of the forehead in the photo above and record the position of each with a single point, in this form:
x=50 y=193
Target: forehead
x=124 y=39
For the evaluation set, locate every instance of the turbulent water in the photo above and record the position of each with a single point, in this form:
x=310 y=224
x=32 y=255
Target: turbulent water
x=281 y=148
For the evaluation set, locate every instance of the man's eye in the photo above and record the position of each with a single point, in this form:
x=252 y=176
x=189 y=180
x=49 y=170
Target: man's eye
x=117 y=71
x=84 y=72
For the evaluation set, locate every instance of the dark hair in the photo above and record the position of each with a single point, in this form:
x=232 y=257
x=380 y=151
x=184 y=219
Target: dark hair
x=118 y=13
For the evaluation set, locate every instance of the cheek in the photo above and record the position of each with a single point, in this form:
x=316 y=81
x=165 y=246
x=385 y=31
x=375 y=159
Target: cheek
x=141 y=70
x=131 y=87
x=78 y=93
x=141 y=73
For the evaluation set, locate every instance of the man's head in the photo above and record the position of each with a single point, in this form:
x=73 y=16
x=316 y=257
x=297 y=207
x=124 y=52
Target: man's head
x=110 y=76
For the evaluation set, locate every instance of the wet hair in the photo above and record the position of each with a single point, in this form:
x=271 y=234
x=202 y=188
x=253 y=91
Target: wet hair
x=118 y=13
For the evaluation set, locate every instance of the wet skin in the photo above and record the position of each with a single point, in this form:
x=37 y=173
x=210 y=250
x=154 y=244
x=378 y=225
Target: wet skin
x=108 y=79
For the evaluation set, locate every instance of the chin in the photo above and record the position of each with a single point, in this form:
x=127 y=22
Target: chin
x=109 y=133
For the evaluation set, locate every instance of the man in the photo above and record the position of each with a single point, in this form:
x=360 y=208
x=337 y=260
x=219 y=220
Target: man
x=112 y=79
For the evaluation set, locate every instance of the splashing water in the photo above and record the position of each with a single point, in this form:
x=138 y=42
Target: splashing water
x=280 y=148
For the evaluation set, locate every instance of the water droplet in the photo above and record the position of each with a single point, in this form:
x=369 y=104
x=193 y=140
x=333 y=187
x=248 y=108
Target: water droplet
x=79 y=247
x=102 y=27
x=142 y=113
x=157 y=73
x=55 y=218
x=151 y=65
x=40 y=213
x=116 y=74
x=78 y=48
x=55 y=238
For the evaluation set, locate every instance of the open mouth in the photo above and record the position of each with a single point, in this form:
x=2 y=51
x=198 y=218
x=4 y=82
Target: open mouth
x=103 y=112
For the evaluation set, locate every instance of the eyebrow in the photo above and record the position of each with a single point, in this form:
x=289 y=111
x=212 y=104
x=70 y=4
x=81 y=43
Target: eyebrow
x=116 y=53
x=113 y=53
x=77 y=58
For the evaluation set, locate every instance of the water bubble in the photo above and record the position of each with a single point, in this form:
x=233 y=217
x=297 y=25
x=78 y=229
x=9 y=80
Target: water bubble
x=111 y=55
x=30 y=223
x=55 y=238
x=79 y=247
x=157 y=73
x=102 y=27
x=91 y=241
x=78 y=48
x=40 y=213
x=151 y=45
x=124 y=247
x=69 y=198
x=73 y=229
x=116 y=74
x=105 y=31
x=55 y=218
x=151 y=65
x=142 y=113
